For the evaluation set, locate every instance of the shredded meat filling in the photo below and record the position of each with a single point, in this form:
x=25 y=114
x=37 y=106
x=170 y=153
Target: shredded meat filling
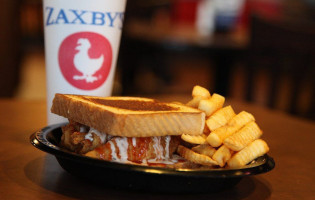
x=153 y=151
x=74 y=140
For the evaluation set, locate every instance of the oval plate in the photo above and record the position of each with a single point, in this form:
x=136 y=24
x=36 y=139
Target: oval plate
x=143 y=177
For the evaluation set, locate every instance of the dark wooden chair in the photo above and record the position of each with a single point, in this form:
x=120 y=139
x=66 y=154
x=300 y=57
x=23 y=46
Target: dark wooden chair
x=10 y=47
x=283 y=50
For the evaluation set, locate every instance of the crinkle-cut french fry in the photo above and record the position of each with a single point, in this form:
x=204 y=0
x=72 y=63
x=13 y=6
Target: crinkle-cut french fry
x=222 y=155
x=195 y=101
x=220 y=118
x=243 y=137
x=255 y=149
x=199 y=91
x=241 y=119
x=204 y=149
x=195 y=157
x=206 y=130
x=194 y=139
x=216 y=137
x=209 y=106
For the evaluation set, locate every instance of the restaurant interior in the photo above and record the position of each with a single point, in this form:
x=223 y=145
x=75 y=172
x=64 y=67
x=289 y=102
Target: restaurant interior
x=259 y=54
x=259 y=51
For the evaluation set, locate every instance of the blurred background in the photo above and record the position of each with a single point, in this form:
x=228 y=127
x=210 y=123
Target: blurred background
x=259 y=51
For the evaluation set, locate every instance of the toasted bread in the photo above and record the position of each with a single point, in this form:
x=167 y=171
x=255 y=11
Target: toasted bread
x=130 y=116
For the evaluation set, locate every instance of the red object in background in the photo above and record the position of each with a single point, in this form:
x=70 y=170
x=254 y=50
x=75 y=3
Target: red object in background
x=184 y=11
x=100 y=46
x=268 y=8
x=243 y=19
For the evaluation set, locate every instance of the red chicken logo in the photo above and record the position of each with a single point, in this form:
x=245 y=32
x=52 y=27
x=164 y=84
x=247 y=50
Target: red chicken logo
x=85 y=60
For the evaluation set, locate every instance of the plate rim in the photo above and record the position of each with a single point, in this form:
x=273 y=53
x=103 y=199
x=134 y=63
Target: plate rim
x=39 y=140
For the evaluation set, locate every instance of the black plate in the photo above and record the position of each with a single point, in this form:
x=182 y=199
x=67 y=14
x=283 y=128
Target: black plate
x=143 y=177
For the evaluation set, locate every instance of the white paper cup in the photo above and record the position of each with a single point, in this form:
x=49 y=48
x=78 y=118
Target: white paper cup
x=82 y=40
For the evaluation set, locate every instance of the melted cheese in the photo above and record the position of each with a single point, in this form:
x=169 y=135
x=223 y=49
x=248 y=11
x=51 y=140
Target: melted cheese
x=83 y=129
x=122 y=144
x=119 y=147
x=113 y=150
x=158 y=148
x=167 y=146
x=119 y=150
x=134 y=142
x=89 y=136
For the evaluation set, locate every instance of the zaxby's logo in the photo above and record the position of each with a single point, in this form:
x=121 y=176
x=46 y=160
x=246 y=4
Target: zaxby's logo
x=85 y=59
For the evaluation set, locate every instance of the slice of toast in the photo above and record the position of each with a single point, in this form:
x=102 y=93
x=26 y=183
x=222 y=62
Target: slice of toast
x=130 y=116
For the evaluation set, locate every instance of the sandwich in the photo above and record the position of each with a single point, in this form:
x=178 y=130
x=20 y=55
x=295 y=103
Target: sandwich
x=126 y=129
x=200 y=134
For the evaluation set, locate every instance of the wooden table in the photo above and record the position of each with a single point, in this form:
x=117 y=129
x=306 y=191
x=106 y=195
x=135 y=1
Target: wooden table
x=28 y=173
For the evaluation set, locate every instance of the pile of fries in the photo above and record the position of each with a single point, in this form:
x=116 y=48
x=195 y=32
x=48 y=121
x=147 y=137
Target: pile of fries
x=228 y=140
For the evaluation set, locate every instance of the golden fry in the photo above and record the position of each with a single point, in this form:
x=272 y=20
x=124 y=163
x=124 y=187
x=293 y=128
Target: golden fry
x=204 y=149
x=194 y=139
x=199 y=91
x=220 y=118
x=195 y=157
x=206 y=130
x=243 y=137
x=209 y=106
x=195 y=101
x=255 y=149
x=222 y=155
x=236 y=137
x=216 y=137
x=241 y=119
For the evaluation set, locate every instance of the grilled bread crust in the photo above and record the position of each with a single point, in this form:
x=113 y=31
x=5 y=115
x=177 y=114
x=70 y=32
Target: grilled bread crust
x=146 y=118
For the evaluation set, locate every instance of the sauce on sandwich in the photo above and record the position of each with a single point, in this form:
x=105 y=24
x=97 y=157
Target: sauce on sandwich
x=157 y=151
x=136 y=150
